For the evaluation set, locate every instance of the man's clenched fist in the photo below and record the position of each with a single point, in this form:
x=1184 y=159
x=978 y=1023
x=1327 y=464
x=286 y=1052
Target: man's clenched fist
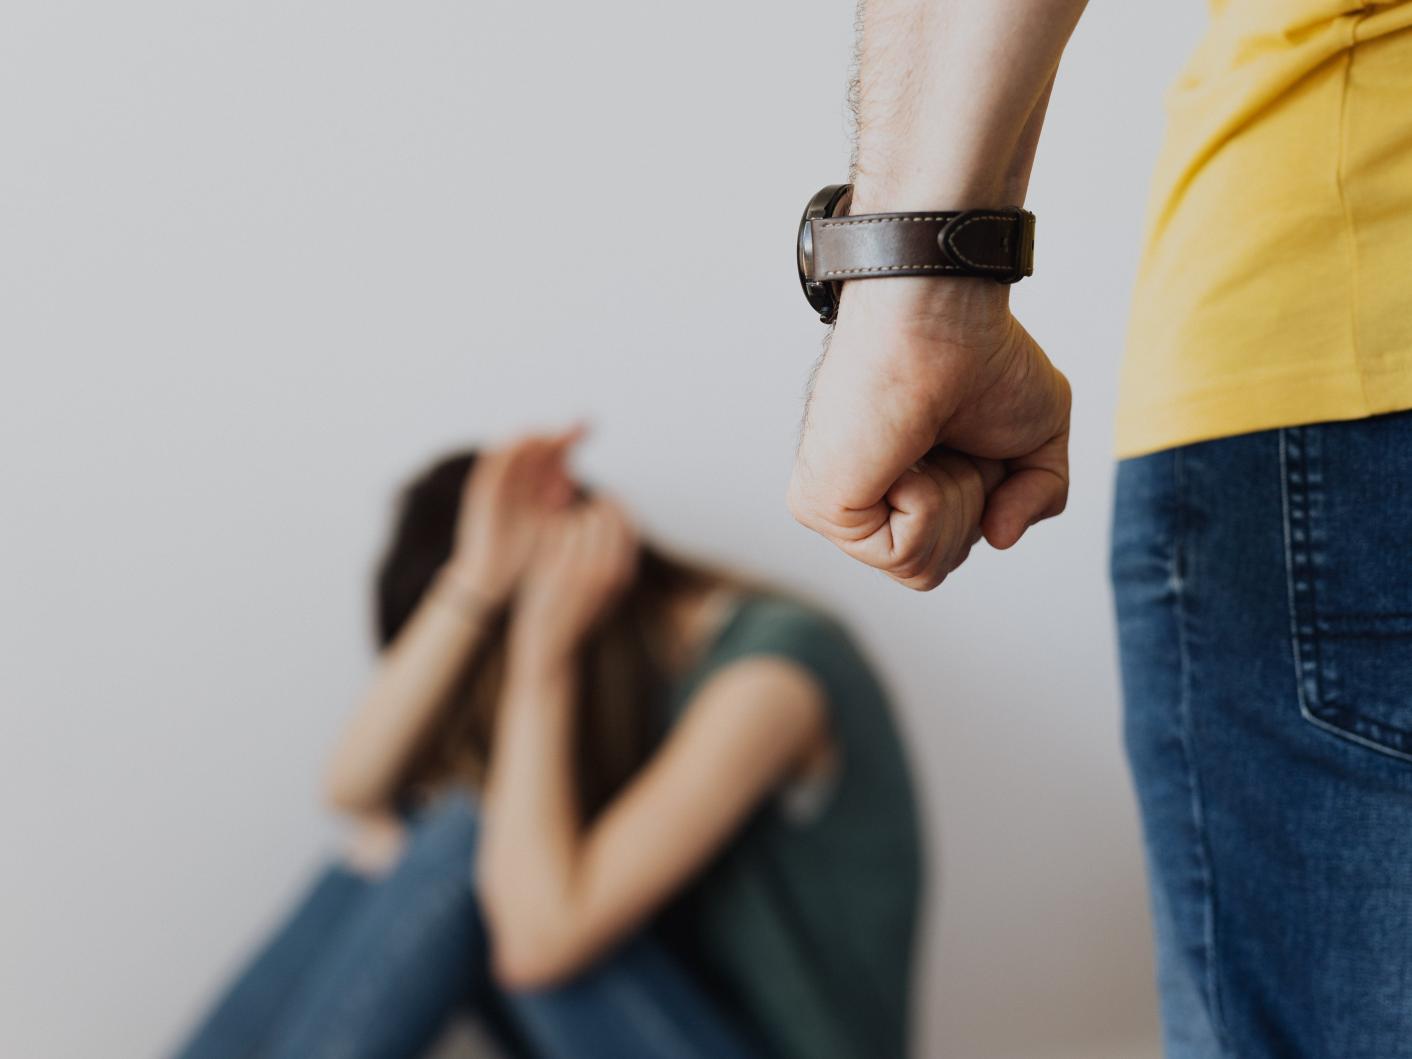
x=934 y=419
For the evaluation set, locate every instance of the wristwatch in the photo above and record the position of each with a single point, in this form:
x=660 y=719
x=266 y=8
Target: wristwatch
x=834 y=246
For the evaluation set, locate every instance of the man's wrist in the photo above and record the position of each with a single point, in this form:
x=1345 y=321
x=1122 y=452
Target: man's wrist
x=914 y=189
x=928 y=302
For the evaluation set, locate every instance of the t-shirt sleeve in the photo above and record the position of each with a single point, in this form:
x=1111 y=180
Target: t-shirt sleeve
x=808 y=637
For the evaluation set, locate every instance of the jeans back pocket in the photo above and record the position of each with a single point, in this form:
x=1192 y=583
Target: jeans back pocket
x=1348 y=531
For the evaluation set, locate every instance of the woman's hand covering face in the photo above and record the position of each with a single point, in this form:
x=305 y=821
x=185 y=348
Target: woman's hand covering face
x=583 y=559
x=509 y=498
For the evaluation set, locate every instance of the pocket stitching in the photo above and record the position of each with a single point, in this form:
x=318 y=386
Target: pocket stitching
x=1318 y=700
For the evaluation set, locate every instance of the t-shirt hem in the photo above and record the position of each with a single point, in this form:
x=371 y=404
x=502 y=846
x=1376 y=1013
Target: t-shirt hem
x=1295 y=399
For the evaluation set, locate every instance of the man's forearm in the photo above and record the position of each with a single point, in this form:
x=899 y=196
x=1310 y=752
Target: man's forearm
x=949 y=99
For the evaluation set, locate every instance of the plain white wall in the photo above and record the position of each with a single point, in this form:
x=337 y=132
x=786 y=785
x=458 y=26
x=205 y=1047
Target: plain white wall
x=258 y=260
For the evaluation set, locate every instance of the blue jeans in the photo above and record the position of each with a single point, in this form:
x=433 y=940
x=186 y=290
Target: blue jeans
x=369 y=968
x=1264 y=600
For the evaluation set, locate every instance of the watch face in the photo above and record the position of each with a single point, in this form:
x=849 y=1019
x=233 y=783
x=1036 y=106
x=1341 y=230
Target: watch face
x=823 y=296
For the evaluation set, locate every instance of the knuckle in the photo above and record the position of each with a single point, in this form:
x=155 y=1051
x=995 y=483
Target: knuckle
x=922 y=582
x=911 y=564
x=925 y=497
x=973 y=484
x=932 y=504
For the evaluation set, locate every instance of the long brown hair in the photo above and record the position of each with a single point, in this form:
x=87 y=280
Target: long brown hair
x=624 y=675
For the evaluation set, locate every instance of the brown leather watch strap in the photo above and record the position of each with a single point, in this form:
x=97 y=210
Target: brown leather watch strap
x=995 y=243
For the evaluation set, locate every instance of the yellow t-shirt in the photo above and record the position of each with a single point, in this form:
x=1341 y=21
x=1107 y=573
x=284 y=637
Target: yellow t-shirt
x=1276 y=280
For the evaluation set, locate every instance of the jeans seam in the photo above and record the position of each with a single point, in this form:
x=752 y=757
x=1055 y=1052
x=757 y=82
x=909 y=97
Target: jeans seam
x=1296 y=647
x=1211 y=970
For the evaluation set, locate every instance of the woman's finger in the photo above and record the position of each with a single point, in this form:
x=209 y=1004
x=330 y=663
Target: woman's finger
x=570 y=436
x=620 y=537
x=554 y=550
x=534 y=466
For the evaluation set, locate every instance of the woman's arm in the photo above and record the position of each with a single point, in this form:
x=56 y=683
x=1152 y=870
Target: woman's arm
x=507 y=497
x=555 y=893
x=410 y=689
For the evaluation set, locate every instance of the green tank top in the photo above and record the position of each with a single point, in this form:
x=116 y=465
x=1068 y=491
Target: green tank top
x=804 y=924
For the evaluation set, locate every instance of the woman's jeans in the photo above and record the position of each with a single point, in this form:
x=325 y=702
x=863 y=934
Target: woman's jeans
x=376 y=967
x=1264 y=600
